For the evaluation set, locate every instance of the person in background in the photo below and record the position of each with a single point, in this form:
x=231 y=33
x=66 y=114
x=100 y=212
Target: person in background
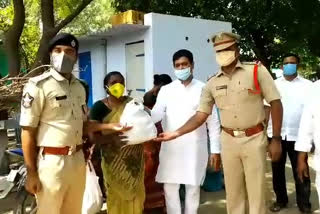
x=309 y=133
x=293 y=90
x=123 y=167
x=154 y=190
x=184 y=160
x=159 y=80
x=238 y=94
x=53 y=124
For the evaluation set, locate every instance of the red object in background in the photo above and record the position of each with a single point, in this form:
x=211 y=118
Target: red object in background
x=154 y=191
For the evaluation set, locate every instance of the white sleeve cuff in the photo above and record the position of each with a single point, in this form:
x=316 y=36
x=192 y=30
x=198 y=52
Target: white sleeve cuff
x=30 y=121
x=303 y=147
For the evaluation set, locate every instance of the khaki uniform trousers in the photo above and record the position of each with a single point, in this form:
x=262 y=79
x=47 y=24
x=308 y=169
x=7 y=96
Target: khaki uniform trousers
x=63 y=181
x=244 y=165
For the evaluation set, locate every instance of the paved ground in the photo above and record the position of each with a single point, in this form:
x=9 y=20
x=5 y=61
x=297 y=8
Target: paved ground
x=214 y=203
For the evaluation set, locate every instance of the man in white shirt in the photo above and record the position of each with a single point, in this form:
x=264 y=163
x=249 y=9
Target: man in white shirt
x=310 y=132
x=184 y=160
x=293 y=90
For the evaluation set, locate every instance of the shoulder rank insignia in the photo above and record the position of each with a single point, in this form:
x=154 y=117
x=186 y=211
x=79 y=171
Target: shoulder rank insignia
x=27 y=100
x=210 y=77
x=39 y=78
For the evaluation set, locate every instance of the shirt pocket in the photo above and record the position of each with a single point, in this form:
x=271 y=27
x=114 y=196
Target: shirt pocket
x=247 y=92
x=220 y=97
x=59 y=108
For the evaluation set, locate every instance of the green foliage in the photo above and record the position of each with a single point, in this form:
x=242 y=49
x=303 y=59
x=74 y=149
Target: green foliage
x=6 y=17
x=30 y=37
x=95 y=17
x=269 y=29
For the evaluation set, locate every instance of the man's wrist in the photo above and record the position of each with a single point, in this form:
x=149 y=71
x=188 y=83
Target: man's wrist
x=32 y=171
x=276 y=137
x=178 y=133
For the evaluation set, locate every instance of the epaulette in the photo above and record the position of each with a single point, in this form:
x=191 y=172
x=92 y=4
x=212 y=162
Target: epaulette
x=40 y=78
x=252 y=63
x=248 y=63
x=212 y=76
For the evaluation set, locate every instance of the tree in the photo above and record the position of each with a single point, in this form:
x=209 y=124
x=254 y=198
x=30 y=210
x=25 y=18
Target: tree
x=95 y=15
x=268 y=28
x=22 y=40
x=12 y=37
x=51 y=27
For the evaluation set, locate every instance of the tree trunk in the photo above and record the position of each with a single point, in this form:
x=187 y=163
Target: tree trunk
x=12 y=38
x=260 y=49
x=50 y=29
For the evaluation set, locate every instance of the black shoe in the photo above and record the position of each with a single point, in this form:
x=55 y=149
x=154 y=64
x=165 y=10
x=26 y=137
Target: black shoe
x=276 y=207
x=305 y=209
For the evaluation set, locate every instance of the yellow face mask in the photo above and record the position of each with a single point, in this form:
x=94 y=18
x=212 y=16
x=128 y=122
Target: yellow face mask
x=116 y=90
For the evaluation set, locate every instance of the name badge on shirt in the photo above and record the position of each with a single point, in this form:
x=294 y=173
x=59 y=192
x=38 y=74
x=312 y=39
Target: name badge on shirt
x=61 y=97
x=221 y=87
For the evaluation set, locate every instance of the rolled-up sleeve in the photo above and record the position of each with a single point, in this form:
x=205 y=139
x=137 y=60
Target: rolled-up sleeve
x=31 y=105
x=206 y=100
x=214 y=129
x=267 y=85
x=305 y=136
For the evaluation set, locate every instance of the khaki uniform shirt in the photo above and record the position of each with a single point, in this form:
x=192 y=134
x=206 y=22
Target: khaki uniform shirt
x=56 y=107
x=239 y=108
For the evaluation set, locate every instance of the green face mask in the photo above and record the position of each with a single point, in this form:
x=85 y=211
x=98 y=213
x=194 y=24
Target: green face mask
x=116 y=90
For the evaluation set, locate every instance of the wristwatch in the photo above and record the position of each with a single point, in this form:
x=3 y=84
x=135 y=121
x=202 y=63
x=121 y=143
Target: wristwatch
x=277 y=138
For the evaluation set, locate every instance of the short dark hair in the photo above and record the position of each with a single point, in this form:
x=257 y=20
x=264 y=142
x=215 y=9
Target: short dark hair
x=162 y=79
x=149 y=99
x=292 y=55
x=182 y=53
x=109 y=75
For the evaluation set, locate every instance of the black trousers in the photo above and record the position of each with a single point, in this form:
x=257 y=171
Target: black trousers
x=279 y=178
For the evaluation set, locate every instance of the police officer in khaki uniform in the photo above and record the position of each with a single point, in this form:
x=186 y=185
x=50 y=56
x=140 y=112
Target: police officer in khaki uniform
x=53 y=121
x=239 y=96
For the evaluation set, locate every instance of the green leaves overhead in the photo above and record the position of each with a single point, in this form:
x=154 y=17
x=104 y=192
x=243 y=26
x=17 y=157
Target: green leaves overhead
x=95 y=17
x=269 y=29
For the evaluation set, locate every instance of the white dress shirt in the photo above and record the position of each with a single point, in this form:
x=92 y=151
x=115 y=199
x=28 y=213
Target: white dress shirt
x=293 y=97
x=310 y=126
x=184 y=160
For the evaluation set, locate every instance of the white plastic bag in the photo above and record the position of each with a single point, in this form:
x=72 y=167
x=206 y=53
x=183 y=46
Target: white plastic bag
x=92 y=198
x=143 y=127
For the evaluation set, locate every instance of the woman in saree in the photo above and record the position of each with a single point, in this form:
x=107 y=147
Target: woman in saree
x=123 y=167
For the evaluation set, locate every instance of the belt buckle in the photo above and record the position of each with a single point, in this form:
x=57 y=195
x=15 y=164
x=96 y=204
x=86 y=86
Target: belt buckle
x=72 y=150
x=238 y=133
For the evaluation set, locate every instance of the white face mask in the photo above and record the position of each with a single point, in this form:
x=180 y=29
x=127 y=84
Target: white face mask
x=62 y=63
x=183 y=74
x=225 y=58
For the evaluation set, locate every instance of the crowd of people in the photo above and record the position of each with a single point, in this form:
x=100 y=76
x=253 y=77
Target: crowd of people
x=241 y=111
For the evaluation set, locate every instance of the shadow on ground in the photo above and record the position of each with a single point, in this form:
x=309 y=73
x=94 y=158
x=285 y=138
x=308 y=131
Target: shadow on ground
x=214 y=202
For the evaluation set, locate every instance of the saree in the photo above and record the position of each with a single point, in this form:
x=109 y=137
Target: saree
x=123 y=172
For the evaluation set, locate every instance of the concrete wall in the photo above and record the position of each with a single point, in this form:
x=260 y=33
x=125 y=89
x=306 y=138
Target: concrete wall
x=106 y=56
x=168 y=34
x=98 y=66
x=116 y=54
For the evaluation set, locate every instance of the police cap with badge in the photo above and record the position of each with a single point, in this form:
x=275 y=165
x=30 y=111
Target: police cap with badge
x=64 y=39
x=223 y=40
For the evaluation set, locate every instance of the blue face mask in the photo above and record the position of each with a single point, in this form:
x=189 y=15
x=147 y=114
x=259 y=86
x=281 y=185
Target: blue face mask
x=183 y=74
x=289 y=69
